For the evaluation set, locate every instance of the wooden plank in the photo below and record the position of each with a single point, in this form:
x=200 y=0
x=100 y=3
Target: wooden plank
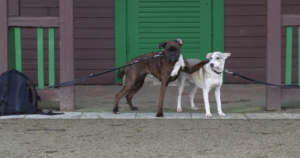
x=169 y=15
x=244 y=42
x=245 y=10
x=94 y=12
x=49 y=94
x=205 y=28
x=79 y=44
x=259 y=74
x=99 y=33
x=168 y=10
x=246 y=31
x=39 y=3
x=290 y=94
x=14 y=8
x=94 y=64
x=247 y=3
x=133 y=29
x=108 y=78
x=290 y=9
x=291 y=2
x=218 y=26
x=94 y=23
x=170 y=25
x=168 y=20
x=174 y=29
x=168 y=4
x=273 y=54
x=298 y=55
x=120 y=35
x=288 y=61
x=27 y=12
x=40 y=61
x=67 y=100
x=11 y=47
x=33 y=21
x=290 y=20
x=77 y=3
x=245 y=64
x=4 y=36
x=94 y=3
x=18 y=53
x=51 y=54
x=245 y=21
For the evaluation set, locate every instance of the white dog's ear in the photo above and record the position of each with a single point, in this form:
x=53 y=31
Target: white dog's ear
x=226 y=55
x=208 y=55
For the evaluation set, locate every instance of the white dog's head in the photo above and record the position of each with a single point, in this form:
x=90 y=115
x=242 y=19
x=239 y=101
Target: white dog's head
x=217 y=59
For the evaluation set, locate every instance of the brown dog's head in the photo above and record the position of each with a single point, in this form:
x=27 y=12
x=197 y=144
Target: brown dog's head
x=172 y=49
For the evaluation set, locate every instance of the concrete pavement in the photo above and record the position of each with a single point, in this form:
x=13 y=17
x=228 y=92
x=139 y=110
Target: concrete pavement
x=138 y=115
x=92 y=130
x=239 y=101
x=235 y=98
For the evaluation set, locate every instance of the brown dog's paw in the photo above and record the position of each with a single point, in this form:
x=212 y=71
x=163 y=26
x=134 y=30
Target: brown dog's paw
x=116 y=111
x=159 y=115
x=134 y=108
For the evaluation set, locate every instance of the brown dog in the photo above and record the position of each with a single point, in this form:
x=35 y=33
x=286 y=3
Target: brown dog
x=160 y=68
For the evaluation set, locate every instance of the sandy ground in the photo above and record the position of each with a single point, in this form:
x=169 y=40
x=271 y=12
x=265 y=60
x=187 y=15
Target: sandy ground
x=150 y=138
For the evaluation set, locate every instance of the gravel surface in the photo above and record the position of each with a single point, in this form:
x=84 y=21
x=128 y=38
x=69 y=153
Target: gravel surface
x=150 y=138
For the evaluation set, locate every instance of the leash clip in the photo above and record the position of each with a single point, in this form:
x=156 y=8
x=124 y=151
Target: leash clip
x=158 y=55
x=225 y=70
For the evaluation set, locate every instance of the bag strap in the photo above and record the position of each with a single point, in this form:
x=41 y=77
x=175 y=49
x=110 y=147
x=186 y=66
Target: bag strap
x=39 y=111
x=3 y=97
x=37 y=97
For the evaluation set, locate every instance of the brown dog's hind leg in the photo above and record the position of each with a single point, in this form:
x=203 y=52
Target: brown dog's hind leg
x=126 y=88
x=138 y=85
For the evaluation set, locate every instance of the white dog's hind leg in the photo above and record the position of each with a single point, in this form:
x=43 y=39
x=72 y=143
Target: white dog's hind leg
x=206 y=103
x=218 y=100
x=180 y=89
x=192 y=95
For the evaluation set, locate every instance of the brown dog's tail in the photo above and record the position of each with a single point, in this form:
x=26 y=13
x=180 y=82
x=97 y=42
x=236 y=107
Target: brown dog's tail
x=121 y=73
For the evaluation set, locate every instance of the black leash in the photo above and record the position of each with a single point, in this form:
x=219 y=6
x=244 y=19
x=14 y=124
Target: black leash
x=160 y=54
x=261 y=82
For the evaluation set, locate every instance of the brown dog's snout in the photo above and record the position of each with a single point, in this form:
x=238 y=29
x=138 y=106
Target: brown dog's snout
x=172 y=57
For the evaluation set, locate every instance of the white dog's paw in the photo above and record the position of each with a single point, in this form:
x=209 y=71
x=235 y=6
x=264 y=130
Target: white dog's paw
x=209 y=115
x=222 y=114
x=179 y=110
x=194 y=108
x=174 y=72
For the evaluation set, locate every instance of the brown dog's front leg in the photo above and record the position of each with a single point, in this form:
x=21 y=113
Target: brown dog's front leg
x=163 y=87
x=192 y=68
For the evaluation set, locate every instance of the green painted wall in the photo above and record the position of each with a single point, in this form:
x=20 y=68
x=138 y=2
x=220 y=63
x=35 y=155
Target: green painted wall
x=142 y=24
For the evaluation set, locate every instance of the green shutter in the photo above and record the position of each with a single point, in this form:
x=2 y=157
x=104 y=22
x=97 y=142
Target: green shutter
x=199 y=23
x=153 y=21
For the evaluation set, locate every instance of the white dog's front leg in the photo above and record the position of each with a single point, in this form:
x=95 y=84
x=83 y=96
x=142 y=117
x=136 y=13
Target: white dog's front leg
x=206 y=103
x=180 y=89
x=178 y=64
x=218 y=99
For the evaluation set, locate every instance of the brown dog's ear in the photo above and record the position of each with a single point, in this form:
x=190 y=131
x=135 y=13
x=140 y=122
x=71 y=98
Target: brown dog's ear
x=178 y=40
x=162 y=44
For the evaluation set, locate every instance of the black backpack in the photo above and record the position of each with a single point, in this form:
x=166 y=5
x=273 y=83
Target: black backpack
x=16 y=95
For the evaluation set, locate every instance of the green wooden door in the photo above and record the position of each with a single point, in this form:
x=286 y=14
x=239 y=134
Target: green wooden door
x=142 y=24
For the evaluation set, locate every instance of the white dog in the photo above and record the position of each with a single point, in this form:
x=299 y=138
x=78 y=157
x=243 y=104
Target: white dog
x=209 y=77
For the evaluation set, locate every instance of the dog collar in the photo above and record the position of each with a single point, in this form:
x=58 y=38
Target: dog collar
x=216 y=71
